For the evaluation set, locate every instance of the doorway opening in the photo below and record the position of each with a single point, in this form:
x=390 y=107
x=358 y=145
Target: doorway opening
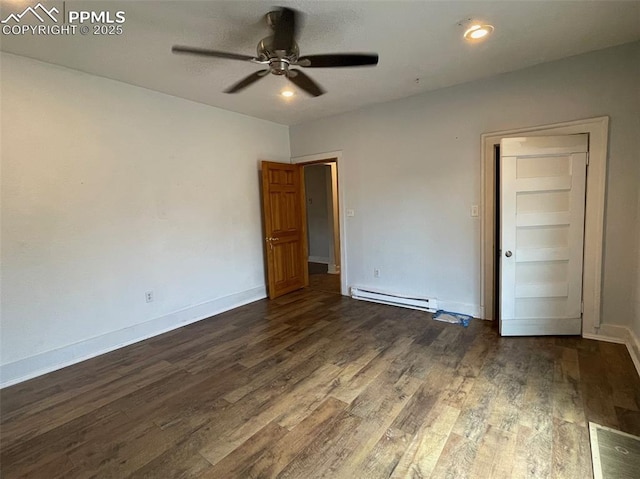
x=333 y=158
x=323 y=225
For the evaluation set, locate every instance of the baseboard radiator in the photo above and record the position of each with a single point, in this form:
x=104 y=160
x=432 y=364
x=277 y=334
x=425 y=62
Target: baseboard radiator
x=422 y=304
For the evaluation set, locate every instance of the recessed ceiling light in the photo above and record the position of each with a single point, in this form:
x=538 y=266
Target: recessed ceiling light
x=287 y=93
x=477 y=32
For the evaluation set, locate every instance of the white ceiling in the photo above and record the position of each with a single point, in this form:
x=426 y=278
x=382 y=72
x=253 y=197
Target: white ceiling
x=419 y=39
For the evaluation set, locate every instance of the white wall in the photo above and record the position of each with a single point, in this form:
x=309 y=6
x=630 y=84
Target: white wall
x=412 y=171
x=315 y=181
x=110 y=190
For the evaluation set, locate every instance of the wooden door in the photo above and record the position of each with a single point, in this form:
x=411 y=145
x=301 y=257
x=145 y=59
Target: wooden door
x=285 y=227
x=542 y=198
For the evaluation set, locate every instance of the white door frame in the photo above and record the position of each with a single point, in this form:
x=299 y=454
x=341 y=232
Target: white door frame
x=598 y=130
x=337 y=157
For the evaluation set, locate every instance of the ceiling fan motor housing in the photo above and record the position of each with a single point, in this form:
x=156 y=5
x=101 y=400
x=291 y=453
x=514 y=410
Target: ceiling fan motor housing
x=279 y=60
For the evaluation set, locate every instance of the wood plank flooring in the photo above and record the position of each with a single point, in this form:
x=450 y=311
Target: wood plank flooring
x=318 y=385
x=326 y=283
x=320 y=280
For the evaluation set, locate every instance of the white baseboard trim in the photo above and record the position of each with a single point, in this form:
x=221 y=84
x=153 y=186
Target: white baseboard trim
x=614 y=333
x=634 y=350
x=333 y=269
x=602 y=337
x=464 y=308
x=319 y=259
x=48 y=361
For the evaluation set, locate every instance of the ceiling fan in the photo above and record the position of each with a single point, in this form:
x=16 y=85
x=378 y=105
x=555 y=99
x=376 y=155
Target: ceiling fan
x=279 y=52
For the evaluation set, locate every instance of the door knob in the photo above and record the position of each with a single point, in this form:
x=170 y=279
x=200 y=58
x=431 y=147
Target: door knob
x=508 y=254
x=270 y=240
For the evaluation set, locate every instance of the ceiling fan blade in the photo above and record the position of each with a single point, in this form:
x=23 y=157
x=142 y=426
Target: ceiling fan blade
x=245 y=82
x=285 y=30
x=209 y=53
x=300 y=79
x=338 y=60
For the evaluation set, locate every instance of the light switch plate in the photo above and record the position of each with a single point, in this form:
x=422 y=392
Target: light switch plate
x=474 y=210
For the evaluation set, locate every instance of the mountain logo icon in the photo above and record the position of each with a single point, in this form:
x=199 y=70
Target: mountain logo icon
x=17 y=17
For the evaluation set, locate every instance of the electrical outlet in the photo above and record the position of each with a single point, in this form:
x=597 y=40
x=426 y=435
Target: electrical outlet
x=148 y=296
x=376 y=273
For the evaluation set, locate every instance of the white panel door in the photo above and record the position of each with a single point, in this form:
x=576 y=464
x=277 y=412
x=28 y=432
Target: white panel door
x=542 y=197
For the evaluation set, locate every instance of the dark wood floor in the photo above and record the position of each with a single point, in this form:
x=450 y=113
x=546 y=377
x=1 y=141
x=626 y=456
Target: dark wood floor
x=320 y=280
x=319 y=385
x=328 y=283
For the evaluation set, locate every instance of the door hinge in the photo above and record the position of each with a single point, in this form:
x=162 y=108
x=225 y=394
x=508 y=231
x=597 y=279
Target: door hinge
x=587 y=158
x=581 y=307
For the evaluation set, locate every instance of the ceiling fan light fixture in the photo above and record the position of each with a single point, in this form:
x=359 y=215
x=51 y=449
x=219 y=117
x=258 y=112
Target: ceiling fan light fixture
x=477 y=32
